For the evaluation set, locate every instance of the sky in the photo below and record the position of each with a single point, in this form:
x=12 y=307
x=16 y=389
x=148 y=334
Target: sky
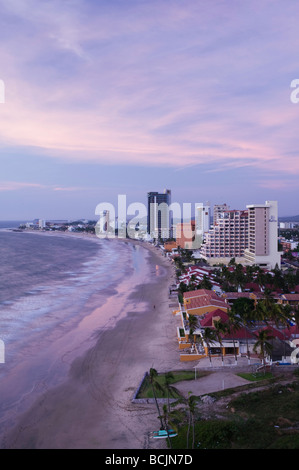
x=100 y=98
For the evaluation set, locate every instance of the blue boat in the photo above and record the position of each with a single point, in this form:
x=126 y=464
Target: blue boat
x=163 y=434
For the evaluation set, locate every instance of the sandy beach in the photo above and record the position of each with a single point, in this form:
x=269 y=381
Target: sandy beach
x=93 y=408
x=135 y=330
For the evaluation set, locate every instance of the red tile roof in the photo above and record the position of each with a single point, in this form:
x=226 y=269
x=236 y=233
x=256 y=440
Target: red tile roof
x=293 y=330
x=207 y=320
x=273 y=332
x=204 y=301
x=203 y=298
x=290 y=297
x=200 y=292
x=241 y=333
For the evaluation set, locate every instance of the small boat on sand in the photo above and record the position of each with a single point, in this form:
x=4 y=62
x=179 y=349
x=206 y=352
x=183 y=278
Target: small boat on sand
x=163 y=434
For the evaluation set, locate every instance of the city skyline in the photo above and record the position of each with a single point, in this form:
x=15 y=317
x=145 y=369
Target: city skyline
x=101 y=98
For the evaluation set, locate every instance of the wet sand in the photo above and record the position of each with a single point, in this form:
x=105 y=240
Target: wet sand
x=92 y=408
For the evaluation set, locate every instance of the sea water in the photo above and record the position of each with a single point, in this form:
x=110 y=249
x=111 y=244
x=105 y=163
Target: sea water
x=49 y=285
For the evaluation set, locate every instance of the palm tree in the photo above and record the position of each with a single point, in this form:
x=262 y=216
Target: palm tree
x=191 y=402
x=220 y=330
x=209 y=337
x=262 y=311
x=170 y=389
x=193 y=324
x=153 y=375
x=243 y=308
x=206 y=283
x=165 y=417
x=263 y=344
x=234 y=324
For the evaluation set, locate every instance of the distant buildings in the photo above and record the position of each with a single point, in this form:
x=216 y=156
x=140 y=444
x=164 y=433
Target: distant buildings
x=103 y=224
x=158 y=215
x=185 y=234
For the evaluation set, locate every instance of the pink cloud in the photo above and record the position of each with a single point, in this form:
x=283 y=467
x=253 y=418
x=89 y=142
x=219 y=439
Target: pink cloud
x=142 y=95
x=15 y=186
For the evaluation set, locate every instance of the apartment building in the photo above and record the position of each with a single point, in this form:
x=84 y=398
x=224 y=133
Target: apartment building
x=262 y=247
x=228 y=238
x=203 y=218
x=158 y=214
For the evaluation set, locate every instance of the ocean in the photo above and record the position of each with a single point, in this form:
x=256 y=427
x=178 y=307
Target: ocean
x=51 y=285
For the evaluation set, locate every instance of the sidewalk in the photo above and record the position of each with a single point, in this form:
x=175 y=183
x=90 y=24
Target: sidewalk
x=221 y=376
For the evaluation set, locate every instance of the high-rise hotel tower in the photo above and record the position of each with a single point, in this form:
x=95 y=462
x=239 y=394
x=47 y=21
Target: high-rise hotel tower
x=263 y=235
x=250 y=236
x=158 y=215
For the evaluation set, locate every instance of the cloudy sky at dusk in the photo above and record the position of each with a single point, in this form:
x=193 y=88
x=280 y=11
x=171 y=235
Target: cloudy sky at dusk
x=108 y=97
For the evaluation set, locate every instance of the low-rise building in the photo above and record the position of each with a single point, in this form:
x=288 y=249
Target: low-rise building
x=201 y=301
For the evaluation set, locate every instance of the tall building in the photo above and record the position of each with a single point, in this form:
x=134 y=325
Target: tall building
x=263 y=235
x=158 y=214
x=203 y=218
x=250 y=236
x=228 y=238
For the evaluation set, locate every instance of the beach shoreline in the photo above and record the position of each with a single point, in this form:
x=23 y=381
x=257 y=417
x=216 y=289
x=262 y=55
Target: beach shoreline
x=93 y=407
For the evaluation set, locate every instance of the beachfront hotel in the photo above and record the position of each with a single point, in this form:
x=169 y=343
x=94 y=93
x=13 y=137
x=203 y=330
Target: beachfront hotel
x=262 y=247
x=228 y=238
x=158 y=214
x=250 y=236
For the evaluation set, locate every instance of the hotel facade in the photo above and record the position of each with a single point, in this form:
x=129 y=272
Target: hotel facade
x=262 y=247
x=228 y=238
x=250 y=236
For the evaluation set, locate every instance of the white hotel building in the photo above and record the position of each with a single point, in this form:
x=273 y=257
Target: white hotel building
x=250 y=236
x=228 y=238
x=263 y=235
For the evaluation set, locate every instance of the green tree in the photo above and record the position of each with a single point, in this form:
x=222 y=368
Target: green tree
x=233 y=325
x=209 y=337
x=193 y=324
x=167 y=420
x=191 y=403
x=170 y=389
x=243 y=308
x=206 y=283
x=220 y=330
x=262 y=345
x=156 y=386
